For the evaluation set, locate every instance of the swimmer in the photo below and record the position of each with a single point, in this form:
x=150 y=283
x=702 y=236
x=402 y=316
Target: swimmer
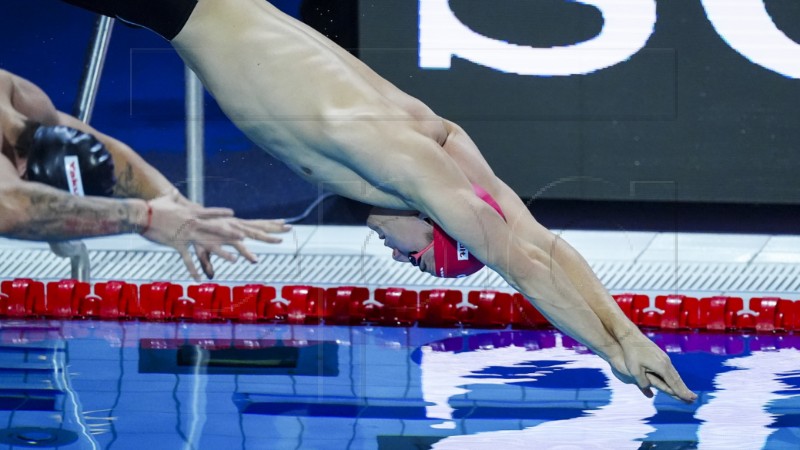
x=338 y=124
x=48 y=156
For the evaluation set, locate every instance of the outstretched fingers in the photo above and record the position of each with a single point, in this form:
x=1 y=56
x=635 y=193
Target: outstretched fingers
x=204 y=256
x=233 y=232
x=667 y=380
x=217 y=249
x=670 y=382
x=661 y=385
x=244 y=251
x=262 y=230
x=643 y=382
x=179 y=223
x=214 y=213
x=187 y=261
x=218 y=232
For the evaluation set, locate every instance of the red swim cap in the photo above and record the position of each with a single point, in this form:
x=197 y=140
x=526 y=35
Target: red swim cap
x=452 y=259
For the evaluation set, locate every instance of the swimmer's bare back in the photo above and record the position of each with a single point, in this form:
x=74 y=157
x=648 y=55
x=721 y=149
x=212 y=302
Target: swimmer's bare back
x=311 y=104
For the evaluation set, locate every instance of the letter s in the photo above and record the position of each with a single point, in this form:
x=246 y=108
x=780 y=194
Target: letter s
x=628 y=24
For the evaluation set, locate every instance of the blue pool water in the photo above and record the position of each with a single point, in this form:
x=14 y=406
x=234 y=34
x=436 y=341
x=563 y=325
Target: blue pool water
x=129 y=385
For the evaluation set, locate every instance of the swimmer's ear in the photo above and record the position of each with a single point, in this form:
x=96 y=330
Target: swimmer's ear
x=25 y=139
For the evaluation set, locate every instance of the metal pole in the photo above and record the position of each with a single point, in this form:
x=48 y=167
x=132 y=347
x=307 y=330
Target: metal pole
x=95 y=60
x=195 y=129
x=79 y=257
x=84 y=106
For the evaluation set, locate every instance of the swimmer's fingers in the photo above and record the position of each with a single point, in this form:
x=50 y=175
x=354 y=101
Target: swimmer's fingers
x=207 y=239
x=657 y=382
x=262 y=230
x=214 y=213
x=662 y=386
x=244 y=251
x=232 y=231
x=644 y=383
x=218 y=250
x=204 y=256
x=650 y=366
x=204 y=253
x=672 y=384
x=187 y=261
x=217 y=232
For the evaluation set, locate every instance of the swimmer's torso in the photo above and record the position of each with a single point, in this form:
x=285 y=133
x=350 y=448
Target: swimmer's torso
x=303 y=99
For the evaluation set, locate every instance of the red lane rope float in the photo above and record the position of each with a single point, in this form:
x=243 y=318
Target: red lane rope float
x=162 y=301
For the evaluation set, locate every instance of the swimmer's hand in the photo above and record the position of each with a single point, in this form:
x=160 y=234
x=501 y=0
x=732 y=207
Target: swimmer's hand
x=644 y=364
x=179 y=223
x=260 y=230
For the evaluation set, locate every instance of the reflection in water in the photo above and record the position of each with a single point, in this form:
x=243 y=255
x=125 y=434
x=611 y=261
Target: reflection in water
x=126 y=386
x=73 y=413
x=198 y=401
x=617 y=424
x=736 y=415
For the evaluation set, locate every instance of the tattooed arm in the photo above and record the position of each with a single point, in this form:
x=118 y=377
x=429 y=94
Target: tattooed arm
x=156 y=209
x=135 y=177
x=34 y=211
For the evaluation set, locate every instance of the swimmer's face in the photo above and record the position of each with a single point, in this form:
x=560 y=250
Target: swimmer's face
x=405 y=233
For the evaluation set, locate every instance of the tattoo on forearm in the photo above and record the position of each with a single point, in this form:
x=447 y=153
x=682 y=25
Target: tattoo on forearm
x=59 y=217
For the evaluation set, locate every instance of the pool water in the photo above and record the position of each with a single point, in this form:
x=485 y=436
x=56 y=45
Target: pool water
x=137 y=385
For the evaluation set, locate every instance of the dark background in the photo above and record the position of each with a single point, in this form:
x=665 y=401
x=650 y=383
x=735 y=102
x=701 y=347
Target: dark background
x=685 y=119
x=709 y=137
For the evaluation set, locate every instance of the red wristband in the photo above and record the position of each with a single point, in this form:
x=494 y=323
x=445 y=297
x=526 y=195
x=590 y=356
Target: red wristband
x=149 y=219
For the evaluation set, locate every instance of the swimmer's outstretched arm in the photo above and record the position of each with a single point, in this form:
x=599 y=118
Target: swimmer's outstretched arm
x=542 y=280
x=35 y=211
x=138 y=179
x=641 y=361
x=633 y=343
x=534 y=273
x=156 y=209
x=633 y=346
